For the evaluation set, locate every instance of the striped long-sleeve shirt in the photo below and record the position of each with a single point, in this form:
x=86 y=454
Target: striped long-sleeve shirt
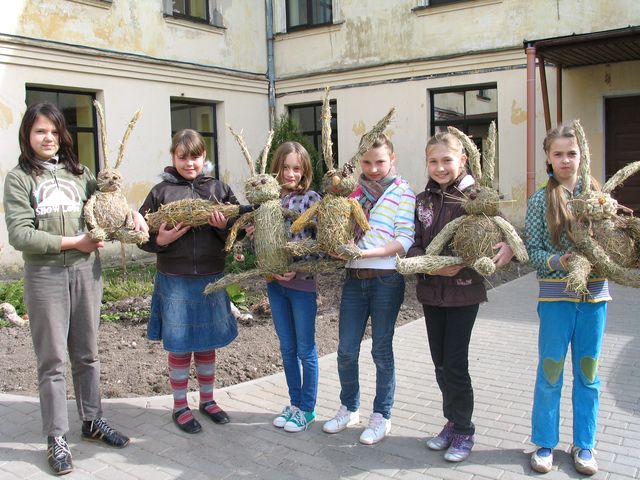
x=545 y=257
x=391 y=218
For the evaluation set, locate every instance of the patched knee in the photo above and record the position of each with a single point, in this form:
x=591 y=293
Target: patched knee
x=552 y=369
x=589 y=368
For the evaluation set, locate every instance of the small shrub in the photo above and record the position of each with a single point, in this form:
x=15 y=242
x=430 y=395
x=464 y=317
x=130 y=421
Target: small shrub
x=13 y=293
x=137 y=282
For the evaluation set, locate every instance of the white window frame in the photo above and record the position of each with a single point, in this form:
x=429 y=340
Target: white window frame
x=280 y=15
x=215 y=15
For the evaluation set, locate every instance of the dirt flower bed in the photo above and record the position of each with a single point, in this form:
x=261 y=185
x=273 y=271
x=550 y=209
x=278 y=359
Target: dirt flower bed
x=133 y=366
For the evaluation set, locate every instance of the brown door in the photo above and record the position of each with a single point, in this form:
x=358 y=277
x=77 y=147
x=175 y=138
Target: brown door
x=622 y=146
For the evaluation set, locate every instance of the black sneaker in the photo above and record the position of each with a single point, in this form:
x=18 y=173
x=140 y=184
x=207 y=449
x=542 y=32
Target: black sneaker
x=59 y=455
x=99 y=431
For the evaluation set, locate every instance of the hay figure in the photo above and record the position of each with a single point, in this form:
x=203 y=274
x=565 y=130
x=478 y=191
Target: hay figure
x=472 y=236
x=107 y=212
x=606 y=243
x=337 y=215
x=193 y=212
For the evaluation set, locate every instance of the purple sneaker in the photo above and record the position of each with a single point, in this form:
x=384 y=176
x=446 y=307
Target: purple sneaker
x=460 y=448
x=443 y=440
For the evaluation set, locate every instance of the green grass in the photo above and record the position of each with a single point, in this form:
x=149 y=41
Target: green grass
x=137 y=282
x=12 y=292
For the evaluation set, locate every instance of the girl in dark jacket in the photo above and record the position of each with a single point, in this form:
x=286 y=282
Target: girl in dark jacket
x=450 y=296
x=188 y=259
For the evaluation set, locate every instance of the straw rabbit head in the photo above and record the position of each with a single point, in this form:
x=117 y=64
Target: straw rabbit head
x=342 y=181
x=481 y=198
x=109 y=178
x=259 y=187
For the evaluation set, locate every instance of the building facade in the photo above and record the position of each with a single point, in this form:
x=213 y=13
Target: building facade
x=204 y=64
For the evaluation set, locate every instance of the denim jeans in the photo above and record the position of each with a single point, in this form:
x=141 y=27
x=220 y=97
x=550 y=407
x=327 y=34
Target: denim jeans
x=294 y=318
x=581 y=325
x=379 y=298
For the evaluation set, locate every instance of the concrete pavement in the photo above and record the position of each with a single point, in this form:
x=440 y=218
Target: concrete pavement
x=502 y=363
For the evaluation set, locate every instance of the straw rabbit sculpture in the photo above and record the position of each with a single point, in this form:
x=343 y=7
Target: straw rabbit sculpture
x=107 y=211
x=472 y=236
x=337 y=215
x=605 y=242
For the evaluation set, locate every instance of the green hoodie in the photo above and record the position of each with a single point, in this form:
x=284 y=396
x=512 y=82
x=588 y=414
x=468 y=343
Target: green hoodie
x=40 y=210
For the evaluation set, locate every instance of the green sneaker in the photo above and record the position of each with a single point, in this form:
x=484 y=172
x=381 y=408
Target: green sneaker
x=299 y=421
x=281 y=420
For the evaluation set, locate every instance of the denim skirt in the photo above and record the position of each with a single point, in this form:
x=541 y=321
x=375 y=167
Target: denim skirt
x=187 y=320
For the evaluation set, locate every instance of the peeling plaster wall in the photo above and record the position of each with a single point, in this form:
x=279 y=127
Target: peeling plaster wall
x=140 y=27
x=392 y=32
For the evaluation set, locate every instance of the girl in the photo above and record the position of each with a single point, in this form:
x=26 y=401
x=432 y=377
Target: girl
x=293 y=297
x=565 y=317
x=44 y=197
x=450 y=296
x=188 y=259
x=373 y=288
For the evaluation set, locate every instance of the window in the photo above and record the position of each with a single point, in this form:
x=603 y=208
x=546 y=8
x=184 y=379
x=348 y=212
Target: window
x=308 y=118
x=470 y=110
x=308 y=13
x=199 y=116
x=79 y=114
x=191 y=9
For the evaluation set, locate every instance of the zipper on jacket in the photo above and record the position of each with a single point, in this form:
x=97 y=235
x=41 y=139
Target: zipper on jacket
x=64 y=252
x=195 y=260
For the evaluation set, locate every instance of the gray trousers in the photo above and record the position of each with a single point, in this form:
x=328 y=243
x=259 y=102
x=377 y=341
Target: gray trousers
x=64 y=312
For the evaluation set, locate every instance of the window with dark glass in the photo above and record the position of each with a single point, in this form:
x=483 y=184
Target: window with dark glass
x=308 y=118
x=471 y=110
x=192 y=9
x=308 y=13
x=79 y=114
x=199 y=116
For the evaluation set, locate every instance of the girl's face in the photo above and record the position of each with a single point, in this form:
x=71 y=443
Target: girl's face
x=377 y=163
x=44 y=138
x=291 y=172
x=564 y=158
x=444 y=165
x=188 y=166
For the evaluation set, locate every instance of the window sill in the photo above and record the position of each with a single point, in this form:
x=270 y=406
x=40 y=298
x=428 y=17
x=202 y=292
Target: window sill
x=435 y=9
x=320 y=30
x=202 y=26
x=106 y=4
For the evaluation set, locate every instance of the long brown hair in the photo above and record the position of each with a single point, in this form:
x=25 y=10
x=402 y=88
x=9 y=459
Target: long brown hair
x=559 y=216
x=28 y=159
x=191 y=142
x=277 y=165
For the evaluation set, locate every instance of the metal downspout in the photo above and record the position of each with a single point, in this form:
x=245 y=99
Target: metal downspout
x=271 y=72
x=531 y=119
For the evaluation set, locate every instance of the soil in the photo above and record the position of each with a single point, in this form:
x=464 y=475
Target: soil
x=134 y=366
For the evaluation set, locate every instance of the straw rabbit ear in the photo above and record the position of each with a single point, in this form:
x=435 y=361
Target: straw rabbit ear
x=125 y=137
x=327 y=145
x=265 y=152
x=370 y=137
x=243 y=149
x=620 y=176
x=103 y=132
x=585 y=156
x=472 y=151
x=489 y=157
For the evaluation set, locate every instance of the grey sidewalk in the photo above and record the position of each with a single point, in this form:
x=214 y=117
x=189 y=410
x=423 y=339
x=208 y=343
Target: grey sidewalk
x=502 y=360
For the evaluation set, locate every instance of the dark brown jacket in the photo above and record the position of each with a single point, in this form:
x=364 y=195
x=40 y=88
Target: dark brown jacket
x=201 y=250
x=433 y=211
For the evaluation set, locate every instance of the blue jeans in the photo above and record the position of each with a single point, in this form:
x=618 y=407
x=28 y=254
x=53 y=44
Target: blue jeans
x=379 y=298
x=581 y=325
x=294 y=318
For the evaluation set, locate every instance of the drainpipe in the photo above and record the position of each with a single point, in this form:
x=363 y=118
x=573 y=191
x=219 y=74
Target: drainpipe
x=531 y=119
x=271 y=72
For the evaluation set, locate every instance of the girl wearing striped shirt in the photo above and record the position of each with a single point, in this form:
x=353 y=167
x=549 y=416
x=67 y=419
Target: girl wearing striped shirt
x=374 y=289
x=565 y=317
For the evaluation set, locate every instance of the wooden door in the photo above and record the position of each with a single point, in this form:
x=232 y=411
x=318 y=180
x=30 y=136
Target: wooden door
x=622 y=146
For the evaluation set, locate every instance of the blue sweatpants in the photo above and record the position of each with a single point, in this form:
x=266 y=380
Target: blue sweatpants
x=581 y=325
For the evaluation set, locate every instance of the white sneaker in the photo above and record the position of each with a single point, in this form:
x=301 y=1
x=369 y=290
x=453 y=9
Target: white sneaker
x=377 y=429
x=281 y=420
x=341 y=420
